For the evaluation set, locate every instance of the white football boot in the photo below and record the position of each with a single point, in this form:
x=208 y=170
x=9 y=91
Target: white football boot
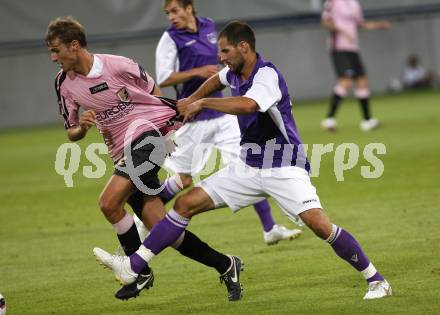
x=329 y=124
x=119 y=264
x=370 y=124
x=279 y=233
x=378 y=289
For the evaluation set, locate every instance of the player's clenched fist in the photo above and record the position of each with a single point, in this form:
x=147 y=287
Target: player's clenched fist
x=87 y=119
x=182 y=105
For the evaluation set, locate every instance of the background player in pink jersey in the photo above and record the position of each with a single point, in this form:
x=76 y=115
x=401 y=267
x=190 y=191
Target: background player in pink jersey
x=343 y=18
x=116 y=93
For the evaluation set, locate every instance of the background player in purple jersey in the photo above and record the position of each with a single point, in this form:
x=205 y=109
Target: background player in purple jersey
x=343 y=18
x=272 y=160
x=115 y=92
x=186 y=56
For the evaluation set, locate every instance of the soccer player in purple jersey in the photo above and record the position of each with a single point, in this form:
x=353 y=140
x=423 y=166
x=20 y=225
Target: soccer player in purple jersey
x=343 y=18
x=115 y=93
x=272 y=160
x=186 y=56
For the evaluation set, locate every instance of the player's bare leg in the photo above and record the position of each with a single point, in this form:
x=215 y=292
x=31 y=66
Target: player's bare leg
x=111 y=202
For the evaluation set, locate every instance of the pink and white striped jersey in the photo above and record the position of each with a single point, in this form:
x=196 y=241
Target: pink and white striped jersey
x=119 y=91
x=346 y=15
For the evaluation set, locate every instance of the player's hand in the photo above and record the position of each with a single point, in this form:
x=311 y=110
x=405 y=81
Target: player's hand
x=192 y=110
x=182 y=104
x=348 y=36
x=87 y=119
x=207 y=71
x=384 y=25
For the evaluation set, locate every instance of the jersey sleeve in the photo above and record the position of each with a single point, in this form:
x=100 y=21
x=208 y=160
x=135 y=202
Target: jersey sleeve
x=68 y=109
x=359 y=14
x=265 y=90
x=134 y=71
x=166 y=58
x=223 y=76
x=327 y=12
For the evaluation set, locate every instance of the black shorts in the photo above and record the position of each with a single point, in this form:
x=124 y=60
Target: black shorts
x=348 y=64
x=153 y=152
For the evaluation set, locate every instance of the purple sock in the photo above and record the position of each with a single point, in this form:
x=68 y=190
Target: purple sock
x=263 y=210
x=163 y=234
x=346 y=247
x=170 y=190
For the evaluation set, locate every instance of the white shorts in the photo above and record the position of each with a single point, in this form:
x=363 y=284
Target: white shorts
x=239 y=185
x=195 y=141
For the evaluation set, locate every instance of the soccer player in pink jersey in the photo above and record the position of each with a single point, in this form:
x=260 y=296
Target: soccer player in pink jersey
x=123 y=101
x=343 y=18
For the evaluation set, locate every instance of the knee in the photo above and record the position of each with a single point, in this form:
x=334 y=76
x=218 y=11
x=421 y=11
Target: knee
x=107 y=205
x=343 y=85
x=183 y=206
x=321 y=230
x=318 y=222
x=362 y=92
x=186 y=180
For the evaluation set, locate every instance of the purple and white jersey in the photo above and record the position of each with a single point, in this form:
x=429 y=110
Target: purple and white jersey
x=269 y=137
x=119 y=91
x=346 y=15
x=181 y=50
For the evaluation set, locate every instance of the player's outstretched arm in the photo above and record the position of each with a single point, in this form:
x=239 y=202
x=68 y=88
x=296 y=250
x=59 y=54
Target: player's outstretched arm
x=208 y=87
x=86 y=121
x=183 y=76
x=234 y=105
x=375 y=25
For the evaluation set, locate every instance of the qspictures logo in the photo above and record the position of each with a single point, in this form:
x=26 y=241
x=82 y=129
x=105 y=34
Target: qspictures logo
x=345 y=156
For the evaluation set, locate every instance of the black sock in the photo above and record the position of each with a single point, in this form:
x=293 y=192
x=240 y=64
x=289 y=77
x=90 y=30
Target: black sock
x=365 y=106
x=164 y=197
x=194 y=248
x=334 y=104
x=136 y=202
x=130 y=243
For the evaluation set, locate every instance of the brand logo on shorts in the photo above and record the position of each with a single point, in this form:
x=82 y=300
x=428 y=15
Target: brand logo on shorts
x=123 y=95
x=98 y=88
x=309 y=201
x=354 y=258
x=121 y=162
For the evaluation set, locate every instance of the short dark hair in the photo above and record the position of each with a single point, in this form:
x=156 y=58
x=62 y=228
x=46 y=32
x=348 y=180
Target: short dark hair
x=66 y=29
x=183 y=3
x=236 y=32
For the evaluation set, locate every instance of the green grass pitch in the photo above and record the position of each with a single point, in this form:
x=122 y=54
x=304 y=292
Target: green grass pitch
x=47 y=231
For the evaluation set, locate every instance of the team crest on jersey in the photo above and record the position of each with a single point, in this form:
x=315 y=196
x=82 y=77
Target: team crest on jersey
x=212 y=37
x=123 y=95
